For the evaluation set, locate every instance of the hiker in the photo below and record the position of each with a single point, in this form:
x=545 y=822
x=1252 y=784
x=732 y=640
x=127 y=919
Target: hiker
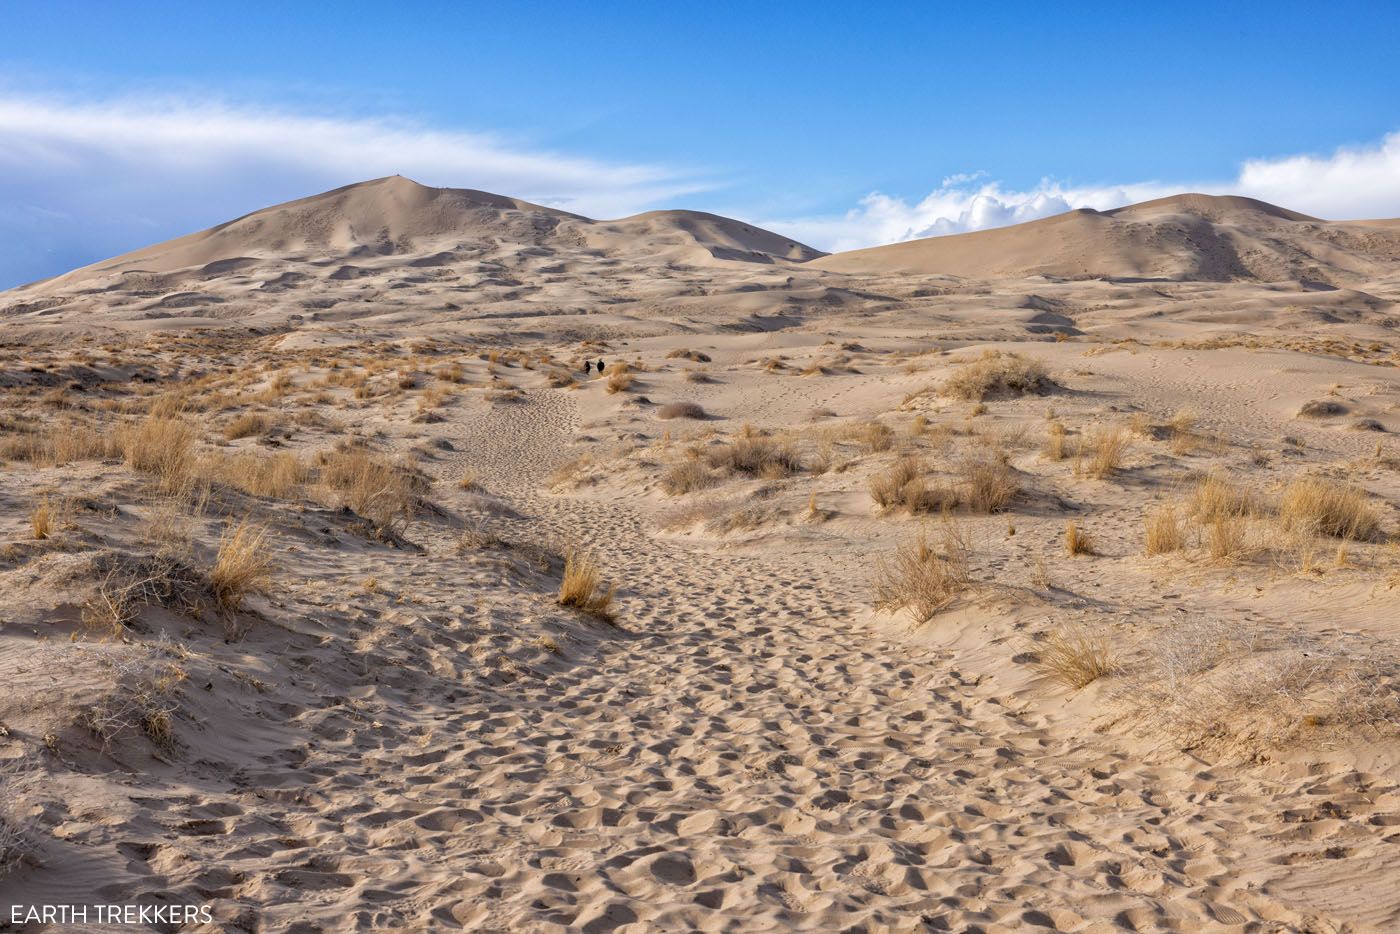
x=587 y=367
x=600 y=366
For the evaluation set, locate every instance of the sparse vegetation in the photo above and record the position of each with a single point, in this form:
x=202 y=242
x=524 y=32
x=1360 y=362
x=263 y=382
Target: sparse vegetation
x=1076 y=656
x=241 y=567
x=998 y=373
x=1077 y=540
x=923 y=579
x=582 y=587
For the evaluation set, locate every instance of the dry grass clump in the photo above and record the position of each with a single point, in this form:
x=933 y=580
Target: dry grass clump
x=875 y=436
x=1077 y=540
x=687 y=477
x=1076 y=656
x=620 y=379
x=14 y=827
x=582 y=587
x=127 y=583
x=1164 y=531
x=1322 y=408
x=902 y=486
x=376 y=489
x=753 y=454
x=1226 y=538
x=683 y=354
x=143 y=699
x=681 y=410
x=164 y=447
x=998 y=373
x=1101 y=454
x=1217 y=496
x=43 y=519
x=1055 y=448
x=241 y=567
x=1335 y=509
x=991 y=484
x=277 y=476
x=63 y=443
x=247 y=425
x=1213 y=685
x=921 y=579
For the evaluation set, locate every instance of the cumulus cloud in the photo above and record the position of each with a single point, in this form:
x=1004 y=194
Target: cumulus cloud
x=81 y=181
x=1350 y=183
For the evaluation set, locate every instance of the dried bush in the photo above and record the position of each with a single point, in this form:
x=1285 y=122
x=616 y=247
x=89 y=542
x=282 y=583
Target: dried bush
x=680 y=410
x=385 y=493
x=998 y=373
x=1340 y=510
x=687 y=477
x=1219 y=687
x=1164 y=531
x=1077 y=540
x=163 y=446
x=1076 y=656
x=241 y=567
x=921 y=579
x=1105 y=449
x=582 y=587
x=755 y=455
x=991 y=484
x=247 y=425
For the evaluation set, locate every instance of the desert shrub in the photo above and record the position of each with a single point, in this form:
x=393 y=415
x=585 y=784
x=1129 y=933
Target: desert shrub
x=63 y=443
x=241 y=567
x=1322 y=408
x=620 y=379
x=1055 y=448
x=687 y=477
x=143 y=699
x=682 y=354
x=680 y=410
x=15 y=841
x=247 y=425
x=1076 y=656
x=582 y=587
x=991 y=484
x=921 y=579
x=998 y=373
x=903 y=486
x=876 y=436
x=1216 y=496
x=1226 y=538
x=1101 y=454
x=1215 y=686
x=277 y=476
x=42 y=519
x=1340 y=510
x=1077 y=540
x=163 y=447
x=755 y=455
x=1164 y=531
x=385 y=493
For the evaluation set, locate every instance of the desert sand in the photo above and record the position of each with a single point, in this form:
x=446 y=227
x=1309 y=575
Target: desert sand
x=1035 y=579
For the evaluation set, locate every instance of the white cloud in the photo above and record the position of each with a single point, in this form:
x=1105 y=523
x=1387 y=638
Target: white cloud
x=81 y=181
x=1362 y=182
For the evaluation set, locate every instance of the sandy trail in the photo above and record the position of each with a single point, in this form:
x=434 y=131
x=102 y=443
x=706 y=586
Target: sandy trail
x=741 y=758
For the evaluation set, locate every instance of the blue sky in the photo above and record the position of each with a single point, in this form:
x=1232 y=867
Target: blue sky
x=121 y=124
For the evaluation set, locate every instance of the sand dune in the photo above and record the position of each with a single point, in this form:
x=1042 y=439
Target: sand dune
x=925 y=600
x=1185 y=237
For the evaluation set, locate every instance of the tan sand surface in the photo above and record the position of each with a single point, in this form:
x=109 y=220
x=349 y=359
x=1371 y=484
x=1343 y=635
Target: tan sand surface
x=399 y=726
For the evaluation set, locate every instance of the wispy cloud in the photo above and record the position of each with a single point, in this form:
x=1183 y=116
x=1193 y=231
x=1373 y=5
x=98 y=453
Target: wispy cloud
x=82 y=180
x=1350 y=183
